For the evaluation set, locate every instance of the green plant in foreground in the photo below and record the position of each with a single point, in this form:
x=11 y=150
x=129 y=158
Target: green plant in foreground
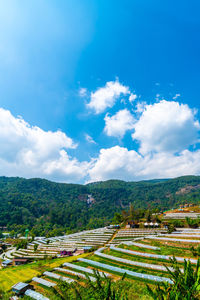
x=4 y=295
x=195 y=252
x=101 y=289
x=186 y=284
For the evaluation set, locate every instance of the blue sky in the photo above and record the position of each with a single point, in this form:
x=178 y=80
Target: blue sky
x=93 y=90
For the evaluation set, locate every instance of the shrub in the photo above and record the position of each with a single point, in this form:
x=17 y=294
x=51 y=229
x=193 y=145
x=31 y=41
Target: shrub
x=186 y=284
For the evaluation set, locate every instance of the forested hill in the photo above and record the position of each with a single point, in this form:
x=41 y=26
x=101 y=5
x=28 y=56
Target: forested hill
x=42 y=204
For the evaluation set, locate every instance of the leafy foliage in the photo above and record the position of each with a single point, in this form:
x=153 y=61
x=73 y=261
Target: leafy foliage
x=4 y=295
x=48 y=208
x=186 y=284
x=21 y=244
x=195 y=252
x=192 y=223
x=101 y=289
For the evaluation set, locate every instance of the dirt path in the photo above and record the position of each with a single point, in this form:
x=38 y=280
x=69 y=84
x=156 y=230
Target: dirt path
x=114 y=235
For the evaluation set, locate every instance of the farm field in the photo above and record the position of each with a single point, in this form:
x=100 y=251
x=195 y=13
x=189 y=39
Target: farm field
x=143 y=261
x=42 y=247
x=12 y=275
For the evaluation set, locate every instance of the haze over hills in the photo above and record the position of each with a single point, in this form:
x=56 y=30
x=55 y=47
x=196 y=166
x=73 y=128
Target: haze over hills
x=39 y=203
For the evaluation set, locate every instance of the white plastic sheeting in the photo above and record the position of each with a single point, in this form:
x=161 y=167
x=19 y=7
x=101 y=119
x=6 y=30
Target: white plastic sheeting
x=86 y=270
x=167 y=257
x=43 y=281
x=188 y=235
x=171 y=239
x=128 y=272
x=59 y=277
x=132 y=262
x=35 y=295
x=74 y=273
x=141 y=245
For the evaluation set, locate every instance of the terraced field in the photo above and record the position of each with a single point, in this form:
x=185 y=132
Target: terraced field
x=11 y=275
x=52 y=247
x=143 y=259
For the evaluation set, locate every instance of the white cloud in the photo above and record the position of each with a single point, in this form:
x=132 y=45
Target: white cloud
x=176 y=96
x=65 y=168
x=164 y=130
x=166 y=127
x=121 y=163
x=132 y=97
x=158 y=96
x=140 y=106
x=169 y=165
x=115 y=162
x=30 y=151
x=89 y=139
x=82 y=92
x=118 y=124
x=105 y=97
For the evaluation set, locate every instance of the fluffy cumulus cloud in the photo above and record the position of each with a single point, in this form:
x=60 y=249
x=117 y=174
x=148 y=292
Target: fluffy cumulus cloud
x=30 y=151
x=118 y=124
x=132 y=97
x=140 y=106
x=164 y=131
x=65 y=168
x=106 y=96
x=116 y=162
x=166 y=126
x=168 y=165
x=121 y=163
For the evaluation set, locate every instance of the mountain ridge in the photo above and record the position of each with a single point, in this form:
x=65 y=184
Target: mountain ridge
x=39 y=203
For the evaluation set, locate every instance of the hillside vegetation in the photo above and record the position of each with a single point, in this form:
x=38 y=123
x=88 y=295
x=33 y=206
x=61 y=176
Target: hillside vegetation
x=45 y=206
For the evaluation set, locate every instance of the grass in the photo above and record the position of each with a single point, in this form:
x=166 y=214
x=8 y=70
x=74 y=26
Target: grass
x=117 y=275
x=127 y=237
x=164 y=250
x=124 y=266
x=175 y=244
x=135 y=290
x=64 y=274
x=168 y=248
x=11 y=275
x=143 y=259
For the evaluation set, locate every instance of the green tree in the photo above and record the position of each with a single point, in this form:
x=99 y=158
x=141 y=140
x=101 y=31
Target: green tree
x=171 y=228
x=35 y=247
x=12 y=233
x=195 y=251
x=117 y=219
x=148 y=216
x=3 y=247
x=32 y=237
x=193 y=223
x=22 y=244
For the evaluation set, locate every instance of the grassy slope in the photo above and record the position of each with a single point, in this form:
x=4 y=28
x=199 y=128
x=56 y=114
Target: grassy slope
x=11 y=275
